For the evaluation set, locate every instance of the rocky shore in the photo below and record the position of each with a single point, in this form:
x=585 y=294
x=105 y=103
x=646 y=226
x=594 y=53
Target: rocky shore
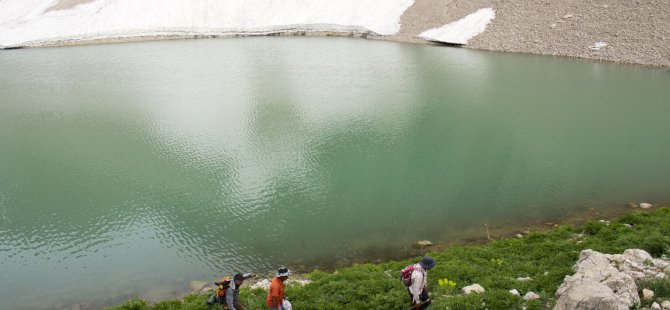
x=622 y=31
x=636 y=32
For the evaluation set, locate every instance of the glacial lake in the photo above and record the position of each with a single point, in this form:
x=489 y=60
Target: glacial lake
x=133 y=169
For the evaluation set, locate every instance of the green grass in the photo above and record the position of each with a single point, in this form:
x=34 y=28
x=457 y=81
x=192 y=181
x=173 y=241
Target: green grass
x=546 y=257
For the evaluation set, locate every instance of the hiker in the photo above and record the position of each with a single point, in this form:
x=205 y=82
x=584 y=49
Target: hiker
x=219 y=295
x=275 y=298
x=233 y=292
x=416 y=280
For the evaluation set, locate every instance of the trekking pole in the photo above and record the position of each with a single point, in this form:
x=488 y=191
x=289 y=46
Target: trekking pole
x=418 y=306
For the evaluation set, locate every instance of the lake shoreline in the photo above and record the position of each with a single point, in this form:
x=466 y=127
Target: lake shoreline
x=353 y=35
x=616 y=32
x=638 y=229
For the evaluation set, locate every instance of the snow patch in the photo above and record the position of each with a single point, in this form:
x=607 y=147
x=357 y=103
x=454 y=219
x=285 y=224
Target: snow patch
x=461 y=31
x=29 y=21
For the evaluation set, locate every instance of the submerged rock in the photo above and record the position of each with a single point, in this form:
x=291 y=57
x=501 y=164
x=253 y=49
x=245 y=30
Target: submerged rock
x=199 y=286
x=475 y=288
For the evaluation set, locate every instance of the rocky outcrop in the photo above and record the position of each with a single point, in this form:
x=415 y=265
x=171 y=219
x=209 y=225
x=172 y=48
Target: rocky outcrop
x=604 y=281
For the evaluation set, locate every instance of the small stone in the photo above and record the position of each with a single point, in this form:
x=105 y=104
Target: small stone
x=566 y=16
x=531 y=296
x=524 y=279
x=475 y=288
x=514 y=292
x=627 y=225
x=526 y=232
x=518 y=236
x=552 y=26
x=655 y=306
x=665 y=305
x=632 y=205
x=645 y=206
x=597 y=46
x=647 y=293
x=424 y=243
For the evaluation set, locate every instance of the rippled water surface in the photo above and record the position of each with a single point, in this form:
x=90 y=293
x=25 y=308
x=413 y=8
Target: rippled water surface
x=135 y=168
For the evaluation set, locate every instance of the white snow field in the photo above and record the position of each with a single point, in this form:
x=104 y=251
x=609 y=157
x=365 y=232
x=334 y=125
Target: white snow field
x=462 y=30
x=30 y=23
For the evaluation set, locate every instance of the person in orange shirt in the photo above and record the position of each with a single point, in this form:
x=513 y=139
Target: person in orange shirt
x=275 y=298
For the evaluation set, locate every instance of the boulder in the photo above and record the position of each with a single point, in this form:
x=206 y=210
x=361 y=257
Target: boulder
x=647 y=294
x=645 y=206
x=514 y=292
x=596 y=284
x=655 y=306
x=665 y=305
x=531 y=296
x=475 y=288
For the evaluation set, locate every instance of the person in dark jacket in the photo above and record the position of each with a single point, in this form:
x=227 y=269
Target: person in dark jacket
x=233 y=292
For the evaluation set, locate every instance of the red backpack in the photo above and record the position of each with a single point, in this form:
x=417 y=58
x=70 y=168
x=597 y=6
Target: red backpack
x=406 y=275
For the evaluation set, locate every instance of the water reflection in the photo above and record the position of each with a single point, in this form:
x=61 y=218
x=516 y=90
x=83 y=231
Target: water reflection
x=150 y=165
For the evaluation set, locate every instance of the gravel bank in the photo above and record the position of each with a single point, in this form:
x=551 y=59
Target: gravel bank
x=635 y=31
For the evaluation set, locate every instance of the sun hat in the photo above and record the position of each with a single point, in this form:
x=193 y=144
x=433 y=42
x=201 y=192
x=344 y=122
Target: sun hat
x=283 y=272
x=427 y=262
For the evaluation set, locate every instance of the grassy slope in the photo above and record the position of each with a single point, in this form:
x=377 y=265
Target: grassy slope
x=546 y=257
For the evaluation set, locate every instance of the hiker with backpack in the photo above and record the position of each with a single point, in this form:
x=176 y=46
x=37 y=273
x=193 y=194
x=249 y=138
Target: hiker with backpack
x=276 y=296
x=415 y=279
x=232 y=294
x=219 y=296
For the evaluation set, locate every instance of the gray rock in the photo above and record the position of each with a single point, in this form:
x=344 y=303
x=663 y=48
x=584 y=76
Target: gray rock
x=424 y=243
x=645 y=206
x=665 y=305
x=514 y=292
x=596 y=284
x=475 y=288
x=524 y=279
x=566 y=16
x=655 y=306
x=531 y=296
x=647 y=294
